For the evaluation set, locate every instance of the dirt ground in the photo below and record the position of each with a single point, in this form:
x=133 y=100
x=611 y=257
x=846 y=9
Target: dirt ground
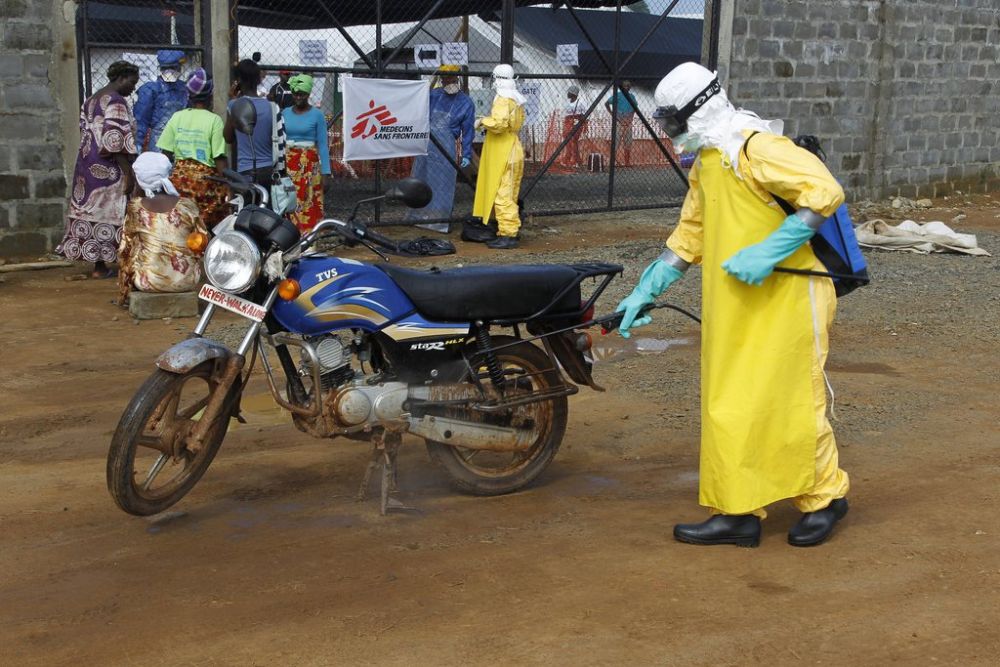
x=270 y=561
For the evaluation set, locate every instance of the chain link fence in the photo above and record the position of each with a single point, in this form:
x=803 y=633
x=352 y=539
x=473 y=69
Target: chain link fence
x=590 y=155
x=583 y=155
x=134 y=30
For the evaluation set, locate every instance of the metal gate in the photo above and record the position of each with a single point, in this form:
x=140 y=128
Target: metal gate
x=605 y=159
x=134 y=30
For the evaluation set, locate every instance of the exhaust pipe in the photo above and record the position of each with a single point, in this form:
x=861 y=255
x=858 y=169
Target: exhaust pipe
x=471 y=435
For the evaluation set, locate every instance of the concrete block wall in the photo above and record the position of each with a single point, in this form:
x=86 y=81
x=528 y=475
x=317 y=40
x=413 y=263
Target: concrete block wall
x=904 y=94
x=32 y=127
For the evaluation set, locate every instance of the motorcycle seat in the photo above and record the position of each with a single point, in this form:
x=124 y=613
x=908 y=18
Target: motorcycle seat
x=508 y=292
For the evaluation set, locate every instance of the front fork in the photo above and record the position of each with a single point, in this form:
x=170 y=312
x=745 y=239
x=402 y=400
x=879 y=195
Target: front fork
x=231 y=370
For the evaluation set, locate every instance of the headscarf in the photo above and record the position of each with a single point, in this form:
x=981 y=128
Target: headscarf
x=199 y=83
x=152 y=173
x=301 y=83
x=717 y=123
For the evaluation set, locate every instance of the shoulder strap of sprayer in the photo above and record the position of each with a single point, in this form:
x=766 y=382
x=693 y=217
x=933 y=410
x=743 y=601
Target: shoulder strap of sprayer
x=827 y=254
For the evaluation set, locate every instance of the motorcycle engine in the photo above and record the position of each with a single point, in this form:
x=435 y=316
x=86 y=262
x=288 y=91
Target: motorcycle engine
x=334 y=361
x=351 y=400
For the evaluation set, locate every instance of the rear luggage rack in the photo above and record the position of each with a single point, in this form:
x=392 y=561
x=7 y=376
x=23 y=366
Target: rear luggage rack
x=583 y=271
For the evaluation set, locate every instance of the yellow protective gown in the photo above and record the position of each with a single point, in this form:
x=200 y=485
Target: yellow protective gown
x=765 y=435
x=500 y=167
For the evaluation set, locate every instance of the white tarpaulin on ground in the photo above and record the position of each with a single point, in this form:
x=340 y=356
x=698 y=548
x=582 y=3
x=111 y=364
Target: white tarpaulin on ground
x=915 y=237
x=385 y=118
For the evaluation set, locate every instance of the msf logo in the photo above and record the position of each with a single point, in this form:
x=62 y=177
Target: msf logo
x=325 y=275
x=369 y=122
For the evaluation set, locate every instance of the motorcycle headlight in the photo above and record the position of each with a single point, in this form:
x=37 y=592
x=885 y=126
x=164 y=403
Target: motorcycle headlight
x=232 y=262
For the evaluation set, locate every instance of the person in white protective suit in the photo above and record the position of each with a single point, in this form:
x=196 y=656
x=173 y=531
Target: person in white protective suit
x=765 y=435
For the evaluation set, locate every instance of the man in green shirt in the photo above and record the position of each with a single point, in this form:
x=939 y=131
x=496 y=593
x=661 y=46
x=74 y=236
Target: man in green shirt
x=193 y=139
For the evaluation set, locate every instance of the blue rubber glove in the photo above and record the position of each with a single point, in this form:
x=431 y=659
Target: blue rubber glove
x=654 y=281
x=756 y=262
x=465 y=162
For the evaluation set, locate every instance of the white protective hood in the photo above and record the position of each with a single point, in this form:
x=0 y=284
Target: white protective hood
x=717 y=124
x=504 y=85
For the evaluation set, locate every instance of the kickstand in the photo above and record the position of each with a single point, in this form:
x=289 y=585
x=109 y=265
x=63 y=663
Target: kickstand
x=385 y=448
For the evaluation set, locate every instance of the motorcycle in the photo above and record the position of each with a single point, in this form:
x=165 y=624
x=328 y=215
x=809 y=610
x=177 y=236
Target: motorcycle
x=382 y=351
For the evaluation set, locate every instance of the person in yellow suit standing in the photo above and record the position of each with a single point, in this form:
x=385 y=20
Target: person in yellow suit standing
x=500 y=166
x=765 y=435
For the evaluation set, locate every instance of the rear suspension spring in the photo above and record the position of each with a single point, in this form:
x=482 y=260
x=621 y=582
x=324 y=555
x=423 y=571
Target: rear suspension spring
x=490 y=357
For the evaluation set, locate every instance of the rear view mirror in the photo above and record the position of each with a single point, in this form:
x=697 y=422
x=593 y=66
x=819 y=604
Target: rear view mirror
x=244 y=115
x=411 y=191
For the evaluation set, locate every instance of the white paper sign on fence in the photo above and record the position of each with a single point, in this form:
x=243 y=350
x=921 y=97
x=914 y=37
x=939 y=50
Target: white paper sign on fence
x=568 y=55
x=532 y=91
x=454 y=53
x=427 y=56
x=482 y=99
x=385 y=118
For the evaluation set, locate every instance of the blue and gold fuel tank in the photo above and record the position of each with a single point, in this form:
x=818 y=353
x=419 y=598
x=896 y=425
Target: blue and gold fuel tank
x=347 y=294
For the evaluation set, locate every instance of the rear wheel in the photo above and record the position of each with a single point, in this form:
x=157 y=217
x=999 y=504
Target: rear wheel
x=149 y=465
x=526 y=369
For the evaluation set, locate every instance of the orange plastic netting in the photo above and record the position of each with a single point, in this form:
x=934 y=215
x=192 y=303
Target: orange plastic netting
x=591 y=148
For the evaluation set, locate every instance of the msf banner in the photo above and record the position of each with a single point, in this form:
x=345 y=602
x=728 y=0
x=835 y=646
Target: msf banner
x=385 y=118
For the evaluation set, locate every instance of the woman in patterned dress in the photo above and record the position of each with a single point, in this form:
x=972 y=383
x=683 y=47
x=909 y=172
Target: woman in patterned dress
x=308 y=153
x=103 y=176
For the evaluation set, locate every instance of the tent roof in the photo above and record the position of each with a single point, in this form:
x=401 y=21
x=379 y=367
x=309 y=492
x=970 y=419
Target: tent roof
x=294 y=14
x=438 y=31
x=676 y=40
x=107 y=22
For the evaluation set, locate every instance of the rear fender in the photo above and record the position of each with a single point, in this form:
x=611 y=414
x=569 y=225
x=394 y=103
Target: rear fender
x=187 y=354
x=577 y=367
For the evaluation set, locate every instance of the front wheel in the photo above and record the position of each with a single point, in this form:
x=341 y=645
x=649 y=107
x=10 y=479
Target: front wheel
x=149 y=465
x=526 y=369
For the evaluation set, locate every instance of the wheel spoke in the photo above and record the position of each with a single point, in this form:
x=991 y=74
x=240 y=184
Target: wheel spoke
x=155 y=470
x=472 y=455
x=193 y=409
x=153 y=442
x=167 y=412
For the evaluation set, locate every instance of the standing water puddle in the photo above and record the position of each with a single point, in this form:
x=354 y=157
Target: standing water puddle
x=261 y=410
x=612 y=349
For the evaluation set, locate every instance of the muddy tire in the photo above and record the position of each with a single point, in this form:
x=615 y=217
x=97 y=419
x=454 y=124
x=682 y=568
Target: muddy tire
x=163 y=410
x=486 y=473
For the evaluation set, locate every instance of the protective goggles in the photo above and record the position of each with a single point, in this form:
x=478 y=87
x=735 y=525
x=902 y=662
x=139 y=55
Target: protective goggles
x=673 y=121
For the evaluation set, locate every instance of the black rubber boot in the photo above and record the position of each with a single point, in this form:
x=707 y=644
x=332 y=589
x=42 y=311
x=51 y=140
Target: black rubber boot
x=503 y=243
x=743 y=531
x=477 y=232
x=815 y=527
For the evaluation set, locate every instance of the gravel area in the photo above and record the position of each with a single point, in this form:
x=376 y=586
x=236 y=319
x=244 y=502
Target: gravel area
x=914 y=302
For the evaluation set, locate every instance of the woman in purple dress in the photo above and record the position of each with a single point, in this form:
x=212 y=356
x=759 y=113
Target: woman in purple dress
x=103 y=176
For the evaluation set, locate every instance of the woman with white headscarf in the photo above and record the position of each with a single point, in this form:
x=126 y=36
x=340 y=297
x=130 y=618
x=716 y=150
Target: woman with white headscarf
x=154 y=255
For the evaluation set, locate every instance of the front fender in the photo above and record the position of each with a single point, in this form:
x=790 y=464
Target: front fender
x=187 y=354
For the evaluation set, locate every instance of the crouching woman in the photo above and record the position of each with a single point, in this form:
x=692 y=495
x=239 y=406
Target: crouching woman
x=154 y=255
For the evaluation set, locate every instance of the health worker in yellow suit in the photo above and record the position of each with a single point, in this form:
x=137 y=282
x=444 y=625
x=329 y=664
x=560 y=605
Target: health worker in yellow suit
x=765 y=435
x=500 y=166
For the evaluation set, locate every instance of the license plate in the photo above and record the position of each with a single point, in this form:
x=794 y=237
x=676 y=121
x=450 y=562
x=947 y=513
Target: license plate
x=230 y=302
